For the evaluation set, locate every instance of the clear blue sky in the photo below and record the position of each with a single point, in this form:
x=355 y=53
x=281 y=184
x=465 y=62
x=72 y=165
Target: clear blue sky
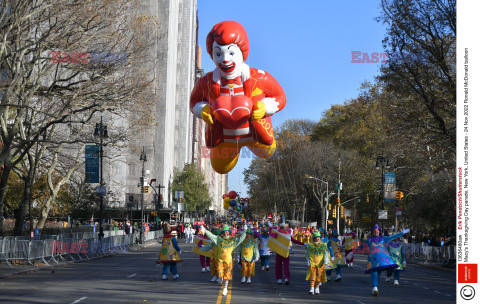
x=306 y=45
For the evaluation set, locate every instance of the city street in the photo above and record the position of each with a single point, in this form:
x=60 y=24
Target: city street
x=134 y=278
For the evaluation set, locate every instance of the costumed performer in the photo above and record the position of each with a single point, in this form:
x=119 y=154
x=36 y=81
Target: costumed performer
x=263 y=248
x=395 y=249
x=351 y=242
x=339 y=257
x=378 y=258
x=169 y=253
x=248 y=256
x=282 y=264
x=316 y=255
x=204 y=261
x=224 y=246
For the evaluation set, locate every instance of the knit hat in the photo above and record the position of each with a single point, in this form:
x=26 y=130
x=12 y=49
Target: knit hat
x=316 y=234
x=226 y=228
x=375 y=227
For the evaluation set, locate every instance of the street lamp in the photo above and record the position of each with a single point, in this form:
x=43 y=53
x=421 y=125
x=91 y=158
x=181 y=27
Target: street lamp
x=382 y=161
x=101 y=131
x=143 y=159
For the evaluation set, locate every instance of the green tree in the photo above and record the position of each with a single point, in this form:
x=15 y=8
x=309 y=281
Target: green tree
x=192 y=182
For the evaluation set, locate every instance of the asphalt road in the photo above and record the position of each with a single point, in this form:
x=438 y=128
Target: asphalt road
x=134 y=278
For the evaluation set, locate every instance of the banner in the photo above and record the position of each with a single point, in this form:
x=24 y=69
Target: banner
x=205 y=242
x=280 y=244
x=389 y=186
x=92 y=164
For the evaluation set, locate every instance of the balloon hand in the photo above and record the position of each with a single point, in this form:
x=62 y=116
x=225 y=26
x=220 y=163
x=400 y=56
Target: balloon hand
x=258 y=111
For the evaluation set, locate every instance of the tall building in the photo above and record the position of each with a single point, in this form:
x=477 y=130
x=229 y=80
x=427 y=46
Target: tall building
x=174 y=140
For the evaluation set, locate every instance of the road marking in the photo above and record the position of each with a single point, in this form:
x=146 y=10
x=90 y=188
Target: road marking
x=437 y=291
x=425 y=287
x=79 y=300
x=219 y=298
x=229 y=294
x=448 y=295
x=131 y=276
x=415 y=284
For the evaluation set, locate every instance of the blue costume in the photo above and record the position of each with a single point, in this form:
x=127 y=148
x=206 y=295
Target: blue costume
x=379 y=258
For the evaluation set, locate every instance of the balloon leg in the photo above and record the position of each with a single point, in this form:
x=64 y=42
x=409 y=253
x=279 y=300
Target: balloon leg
x=224 y=157
x=261 y=150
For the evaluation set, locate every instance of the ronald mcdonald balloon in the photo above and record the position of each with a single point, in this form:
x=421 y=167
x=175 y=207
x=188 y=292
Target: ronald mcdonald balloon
x=235 y=100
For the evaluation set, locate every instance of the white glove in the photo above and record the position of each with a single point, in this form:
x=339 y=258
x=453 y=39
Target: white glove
x=180 y=252
x=256 y=260
x=405 y=231
x=333 y=259
x=269 y=224
x=203 y=246
x=238 y=259
x=404 y=263
x=245 y=227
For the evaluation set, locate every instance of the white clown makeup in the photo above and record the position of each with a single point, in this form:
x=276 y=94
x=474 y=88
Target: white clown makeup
x=228 y=59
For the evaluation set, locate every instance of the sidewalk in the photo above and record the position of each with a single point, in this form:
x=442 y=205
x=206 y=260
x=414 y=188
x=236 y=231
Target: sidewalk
x=6 y=271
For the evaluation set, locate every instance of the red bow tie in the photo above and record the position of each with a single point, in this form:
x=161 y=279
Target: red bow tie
x=236 y=80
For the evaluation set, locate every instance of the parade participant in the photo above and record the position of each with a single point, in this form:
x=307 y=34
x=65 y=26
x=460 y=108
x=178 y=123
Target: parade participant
x=213 y=260
x=254 y=95
x=316 y=255
x=329 y=255
x=204 y=261
x=248 y=255
x=189 y=232
x=339 y=257
x=263 y=248
x=395 y=249
x=282 y=264
x=170 y=253
x=351 y=242
x=378 y=258
x=224 y=246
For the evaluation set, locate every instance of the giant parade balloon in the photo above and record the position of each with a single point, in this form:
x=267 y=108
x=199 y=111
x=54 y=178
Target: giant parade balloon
x=235 y=101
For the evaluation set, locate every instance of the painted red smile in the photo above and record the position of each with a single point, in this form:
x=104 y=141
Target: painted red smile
x=228 y=68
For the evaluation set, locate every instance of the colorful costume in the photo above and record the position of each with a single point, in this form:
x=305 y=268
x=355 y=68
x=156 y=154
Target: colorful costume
x=249 y=254
x=316 y=255
x=169 y=253
x=395 y=249
x=378 y=258
x=264 y=250
x=282 y=264
x=351 y=242
x=339 y=256
x=204 y=261
x=224 y=247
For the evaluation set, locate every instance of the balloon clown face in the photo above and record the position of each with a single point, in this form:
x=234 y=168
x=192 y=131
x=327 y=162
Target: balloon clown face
x=228 y=58
x=227 y=44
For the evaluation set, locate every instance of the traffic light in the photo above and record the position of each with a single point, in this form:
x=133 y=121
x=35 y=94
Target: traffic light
x=368 y=199
x=329 y=207
x=398 y=195
x=334 y=214
x=146 y=189
x=342 y=211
